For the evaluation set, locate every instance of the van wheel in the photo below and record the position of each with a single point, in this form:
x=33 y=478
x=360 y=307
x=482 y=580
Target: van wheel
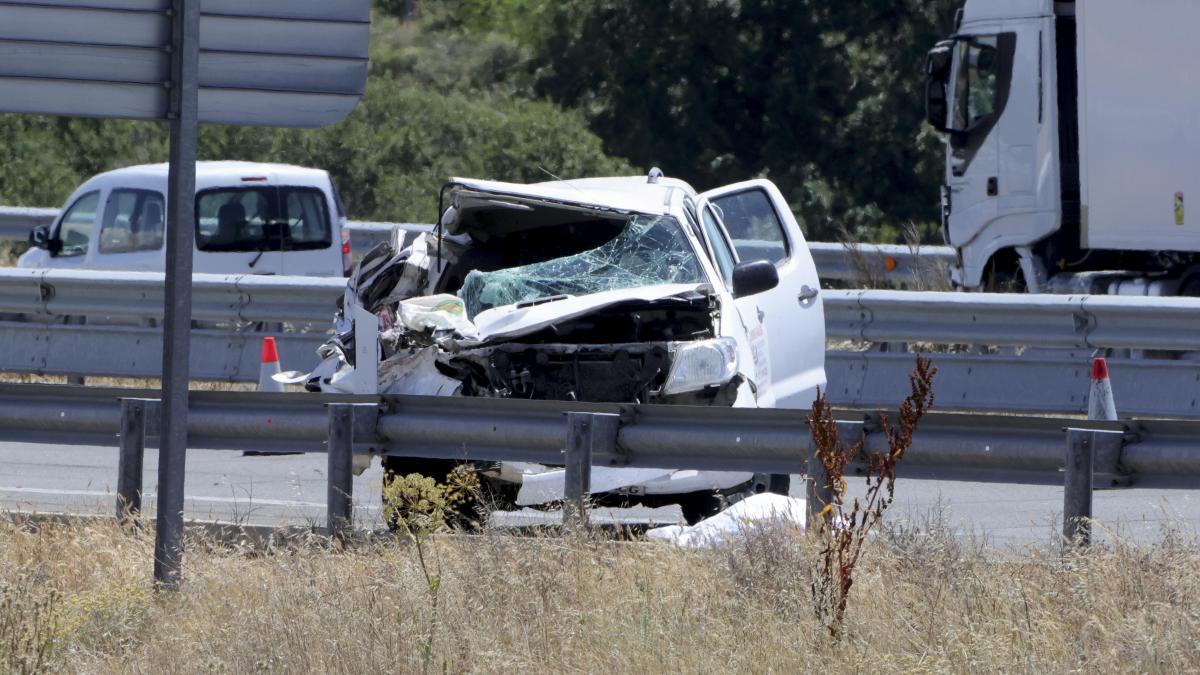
x=697 y=506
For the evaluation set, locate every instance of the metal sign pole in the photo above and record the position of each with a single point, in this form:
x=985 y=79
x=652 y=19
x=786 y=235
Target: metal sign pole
x=177 y=309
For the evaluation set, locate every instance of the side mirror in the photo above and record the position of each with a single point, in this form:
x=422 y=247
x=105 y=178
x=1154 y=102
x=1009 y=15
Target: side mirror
x=752 y=278
x=39 y=237
x=937 y=73
x=936 y=108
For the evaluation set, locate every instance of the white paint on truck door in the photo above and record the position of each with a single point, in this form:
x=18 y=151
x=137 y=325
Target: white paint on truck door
x=762 y=227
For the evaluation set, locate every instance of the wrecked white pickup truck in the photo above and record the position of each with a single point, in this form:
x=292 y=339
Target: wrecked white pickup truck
x=631 y=290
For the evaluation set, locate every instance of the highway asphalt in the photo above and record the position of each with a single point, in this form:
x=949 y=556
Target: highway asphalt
x=1010 y=510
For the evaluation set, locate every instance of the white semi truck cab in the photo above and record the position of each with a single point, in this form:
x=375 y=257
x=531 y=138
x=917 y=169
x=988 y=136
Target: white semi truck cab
x=1073 y=145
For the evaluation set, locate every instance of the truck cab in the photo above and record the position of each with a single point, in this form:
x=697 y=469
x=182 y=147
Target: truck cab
x=1071 y=146
x=251 y=218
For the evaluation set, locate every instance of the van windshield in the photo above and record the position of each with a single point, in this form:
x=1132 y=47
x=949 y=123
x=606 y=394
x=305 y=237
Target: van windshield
x=262 y=218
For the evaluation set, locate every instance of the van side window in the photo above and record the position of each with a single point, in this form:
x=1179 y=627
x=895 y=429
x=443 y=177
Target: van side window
x=752 y=223
x=75 y=228
x=133 y=221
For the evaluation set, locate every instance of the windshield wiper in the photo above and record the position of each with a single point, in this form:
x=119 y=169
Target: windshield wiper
x=541 y=301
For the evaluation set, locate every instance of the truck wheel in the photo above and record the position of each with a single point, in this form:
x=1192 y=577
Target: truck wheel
x=697 y=506
x=1003 y=274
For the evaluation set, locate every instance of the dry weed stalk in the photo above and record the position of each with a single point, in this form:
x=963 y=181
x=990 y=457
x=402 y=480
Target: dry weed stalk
x=29 y=627
x=845 y=531
x=420 y=506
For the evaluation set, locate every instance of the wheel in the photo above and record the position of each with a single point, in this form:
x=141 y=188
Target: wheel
x=1003 y=274
x=697 y=506
x=779 y=484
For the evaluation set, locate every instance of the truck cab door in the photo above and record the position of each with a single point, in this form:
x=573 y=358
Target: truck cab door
x=978 y=95
x=761 y=226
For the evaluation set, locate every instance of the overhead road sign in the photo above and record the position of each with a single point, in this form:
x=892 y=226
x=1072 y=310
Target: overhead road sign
x=293 y=63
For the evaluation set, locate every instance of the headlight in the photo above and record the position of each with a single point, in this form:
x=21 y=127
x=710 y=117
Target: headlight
x=696 y=365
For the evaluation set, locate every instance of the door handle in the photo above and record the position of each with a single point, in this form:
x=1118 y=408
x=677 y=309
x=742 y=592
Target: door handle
x=807 y=295
x=993 y=187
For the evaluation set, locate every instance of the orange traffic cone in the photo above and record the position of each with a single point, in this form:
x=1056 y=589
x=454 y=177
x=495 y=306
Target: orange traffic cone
x=270 y=367
x=1101 y=405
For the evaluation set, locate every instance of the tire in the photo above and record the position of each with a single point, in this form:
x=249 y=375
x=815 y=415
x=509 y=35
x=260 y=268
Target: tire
x=779 y=484
x=697 y=506
x=1003 y=274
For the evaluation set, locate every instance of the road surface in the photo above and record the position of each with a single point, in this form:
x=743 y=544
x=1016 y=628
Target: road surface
x=290 y=490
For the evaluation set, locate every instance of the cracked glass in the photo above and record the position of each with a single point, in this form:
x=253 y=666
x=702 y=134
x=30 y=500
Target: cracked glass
x=649 y=251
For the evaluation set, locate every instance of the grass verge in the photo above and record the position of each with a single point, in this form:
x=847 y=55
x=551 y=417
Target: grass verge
x=77 y=598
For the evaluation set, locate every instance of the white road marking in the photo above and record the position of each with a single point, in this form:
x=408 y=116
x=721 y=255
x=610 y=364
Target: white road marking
x=218 y=500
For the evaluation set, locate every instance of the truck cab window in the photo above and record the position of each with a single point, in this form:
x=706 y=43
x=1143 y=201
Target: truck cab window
x=75 y=228
x=975 y=86
x=133 y=221
x=751 y=221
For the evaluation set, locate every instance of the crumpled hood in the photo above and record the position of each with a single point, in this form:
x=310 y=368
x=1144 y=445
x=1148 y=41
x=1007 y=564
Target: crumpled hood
x=510 y=321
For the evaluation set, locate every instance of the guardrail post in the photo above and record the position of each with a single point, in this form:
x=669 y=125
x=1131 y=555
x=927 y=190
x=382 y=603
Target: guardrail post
x=578 y=470
x=339 y=501
x=1077 y=488
x=129 y=461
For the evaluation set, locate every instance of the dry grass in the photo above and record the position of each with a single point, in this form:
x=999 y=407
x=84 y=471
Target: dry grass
x=925 y=603
x=11 y=250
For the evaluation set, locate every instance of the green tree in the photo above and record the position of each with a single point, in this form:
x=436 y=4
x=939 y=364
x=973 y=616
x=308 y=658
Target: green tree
x=439 y=103
x=824 y=98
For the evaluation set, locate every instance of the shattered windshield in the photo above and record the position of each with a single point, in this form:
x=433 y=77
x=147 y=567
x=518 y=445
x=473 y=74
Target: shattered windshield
x=649 y=251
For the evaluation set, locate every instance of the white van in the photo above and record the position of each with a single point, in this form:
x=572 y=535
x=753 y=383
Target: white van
x=250 y=219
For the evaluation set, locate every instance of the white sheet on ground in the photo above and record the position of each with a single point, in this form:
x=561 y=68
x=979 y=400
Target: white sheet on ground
x=540 y=488
x=752 y=513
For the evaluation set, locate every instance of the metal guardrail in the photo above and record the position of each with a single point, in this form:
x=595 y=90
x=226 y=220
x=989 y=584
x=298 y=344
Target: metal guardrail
x=1052 y=382
x=581 y=436
x=873 y=264
x=121 y=308
x=878 y=316
x=239 y=299
x=1014 y=319
x=17 y=221
x=75 y=322
x=663 y=436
